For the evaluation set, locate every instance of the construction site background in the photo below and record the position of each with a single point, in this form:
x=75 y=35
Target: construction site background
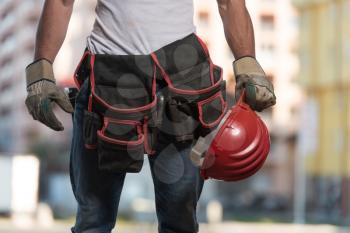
x=304 y=47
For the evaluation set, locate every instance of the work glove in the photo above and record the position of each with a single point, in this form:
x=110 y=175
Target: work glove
x=259 y=93
x=42 y=92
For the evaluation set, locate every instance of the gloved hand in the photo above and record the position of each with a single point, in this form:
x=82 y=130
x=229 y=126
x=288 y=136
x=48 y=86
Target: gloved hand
x=251 y=77
x=42 y=92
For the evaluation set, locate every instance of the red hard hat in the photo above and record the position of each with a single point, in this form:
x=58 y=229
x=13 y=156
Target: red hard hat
x=236 y=149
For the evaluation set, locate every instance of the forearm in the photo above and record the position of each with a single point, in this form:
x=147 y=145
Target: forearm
x=52 y=28
x=238 y=27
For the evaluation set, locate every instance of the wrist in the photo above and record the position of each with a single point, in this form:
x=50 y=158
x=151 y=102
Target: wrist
x=39 y=70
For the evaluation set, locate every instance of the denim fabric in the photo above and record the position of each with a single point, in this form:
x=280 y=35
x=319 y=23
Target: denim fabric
x=177 y=183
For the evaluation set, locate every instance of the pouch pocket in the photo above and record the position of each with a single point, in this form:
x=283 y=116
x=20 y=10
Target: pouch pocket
x=211 y=110
x=92 y=123
x=180 y=120
x=187 y=68
x=121 y=146
x=123 y=84
x=191 y=115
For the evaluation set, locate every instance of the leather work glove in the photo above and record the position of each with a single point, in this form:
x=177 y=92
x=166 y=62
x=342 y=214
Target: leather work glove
x=42 y=92
x=251 y=77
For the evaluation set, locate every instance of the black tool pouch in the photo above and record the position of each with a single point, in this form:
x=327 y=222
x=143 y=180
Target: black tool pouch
x=122 y=120
x=119 y=119
x=120 y=145
x=196 y=90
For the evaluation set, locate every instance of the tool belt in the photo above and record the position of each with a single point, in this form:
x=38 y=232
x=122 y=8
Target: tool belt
x=126 y=110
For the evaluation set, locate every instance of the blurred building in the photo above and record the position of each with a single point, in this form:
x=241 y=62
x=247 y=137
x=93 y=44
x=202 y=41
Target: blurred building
x=325 y=75
x=17 y=32
x=19 y=133
x=276 y=33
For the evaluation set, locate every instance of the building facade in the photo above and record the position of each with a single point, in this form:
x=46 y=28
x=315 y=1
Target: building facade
x=325 y=75
x=19 y=133
x=17 y=34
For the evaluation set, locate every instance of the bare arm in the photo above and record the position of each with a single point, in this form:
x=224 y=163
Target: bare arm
x=238 y=27
x=249 y=74
x=41 y=87
x=52 y=28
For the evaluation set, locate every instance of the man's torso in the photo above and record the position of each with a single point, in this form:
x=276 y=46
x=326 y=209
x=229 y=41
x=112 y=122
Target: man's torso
x=139 y=26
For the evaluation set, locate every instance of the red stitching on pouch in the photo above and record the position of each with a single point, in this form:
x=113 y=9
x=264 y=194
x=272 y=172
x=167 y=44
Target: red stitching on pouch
x=120 y=142
x=210 y=99
x=106 y=121
x=206 y=50
x=204 y=46
x=148 y=149
x=191 y=92
x=86 y=53
x=91 y=147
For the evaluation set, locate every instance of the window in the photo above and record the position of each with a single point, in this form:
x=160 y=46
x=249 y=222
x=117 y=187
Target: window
x=203 y=17
x=7 y=10
x=5 y=85
x=270 y=77
x=5 y=61
x=267 y=22
x=268 y=48
x=5 y=111
x=5 y=37
x=33 y=19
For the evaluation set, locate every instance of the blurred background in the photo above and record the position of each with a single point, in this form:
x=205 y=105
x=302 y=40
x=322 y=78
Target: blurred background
x=304 y=47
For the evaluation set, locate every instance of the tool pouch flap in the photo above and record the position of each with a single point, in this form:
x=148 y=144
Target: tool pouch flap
x=123 y=84
x=196 y=89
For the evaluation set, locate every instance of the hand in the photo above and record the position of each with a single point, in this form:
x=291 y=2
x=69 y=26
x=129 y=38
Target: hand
x=42 y=92
x=251 y=77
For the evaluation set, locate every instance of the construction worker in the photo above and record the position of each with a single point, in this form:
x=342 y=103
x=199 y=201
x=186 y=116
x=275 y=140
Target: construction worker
x=152 y=43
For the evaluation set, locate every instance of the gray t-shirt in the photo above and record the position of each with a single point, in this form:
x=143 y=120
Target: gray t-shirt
x=133 y=27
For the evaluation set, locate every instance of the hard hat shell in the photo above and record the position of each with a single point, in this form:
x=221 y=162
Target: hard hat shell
x=239 y=147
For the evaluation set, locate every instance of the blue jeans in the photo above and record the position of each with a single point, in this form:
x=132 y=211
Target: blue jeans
x=177 y=183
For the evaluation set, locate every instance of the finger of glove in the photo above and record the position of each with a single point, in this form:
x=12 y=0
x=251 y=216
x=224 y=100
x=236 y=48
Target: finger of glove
x=62 y=100
x=260 y=80
x=241 y=82
x=47 y=116
x=259 y=91
x=264 y=98
x=31 y=102
x=250 y=97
